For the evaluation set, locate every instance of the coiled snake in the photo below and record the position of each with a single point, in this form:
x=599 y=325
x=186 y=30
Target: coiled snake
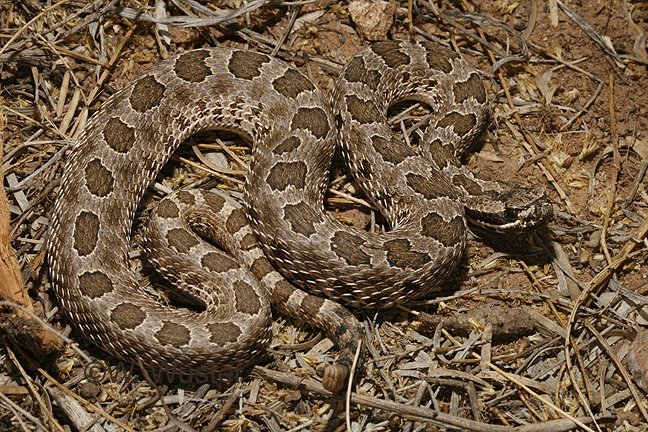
x=424 y=196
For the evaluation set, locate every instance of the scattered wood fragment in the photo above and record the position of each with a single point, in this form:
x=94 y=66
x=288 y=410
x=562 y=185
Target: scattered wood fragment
x=11 y=287
x=507 y=323
x=419 y=413
x=18 y=326
x=61 y=60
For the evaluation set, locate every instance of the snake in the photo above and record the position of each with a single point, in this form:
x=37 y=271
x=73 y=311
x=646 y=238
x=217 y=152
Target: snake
x=280 y=250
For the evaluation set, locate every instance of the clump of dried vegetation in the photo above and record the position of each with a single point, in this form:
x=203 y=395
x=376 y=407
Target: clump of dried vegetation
x=541 y=333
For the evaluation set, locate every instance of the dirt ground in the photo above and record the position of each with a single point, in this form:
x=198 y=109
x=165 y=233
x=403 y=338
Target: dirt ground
x=535 y=332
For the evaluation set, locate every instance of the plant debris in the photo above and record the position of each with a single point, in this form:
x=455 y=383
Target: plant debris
x=536 y=333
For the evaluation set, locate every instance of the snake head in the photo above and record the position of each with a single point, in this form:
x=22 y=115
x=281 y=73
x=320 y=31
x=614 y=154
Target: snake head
x=518 y=209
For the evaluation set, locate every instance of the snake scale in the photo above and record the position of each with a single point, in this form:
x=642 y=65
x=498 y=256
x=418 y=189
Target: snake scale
x=282 y=233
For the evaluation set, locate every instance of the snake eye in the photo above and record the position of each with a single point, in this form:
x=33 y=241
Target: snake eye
x=511 y=214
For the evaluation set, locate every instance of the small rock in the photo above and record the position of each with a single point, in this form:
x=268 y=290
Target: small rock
x=217 y=159
x=637 y=359
x=88 y=390
x=373 y=20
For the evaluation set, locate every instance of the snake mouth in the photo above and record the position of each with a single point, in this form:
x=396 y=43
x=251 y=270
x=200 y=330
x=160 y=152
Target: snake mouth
x=534 y=216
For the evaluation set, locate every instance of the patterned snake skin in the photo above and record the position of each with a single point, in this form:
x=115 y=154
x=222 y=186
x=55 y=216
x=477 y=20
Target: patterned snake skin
x=424 y=195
